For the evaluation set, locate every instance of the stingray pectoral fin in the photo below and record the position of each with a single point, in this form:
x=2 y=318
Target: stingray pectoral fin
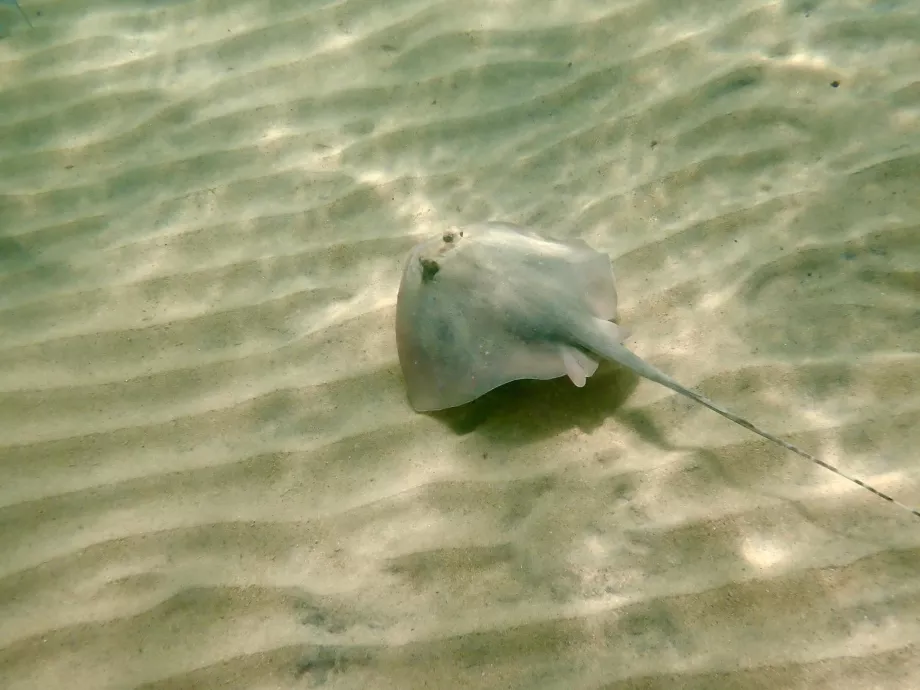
x=599 y=286
x=590 y=272
x=574 y=262
x=611 y=331
x=578 y=365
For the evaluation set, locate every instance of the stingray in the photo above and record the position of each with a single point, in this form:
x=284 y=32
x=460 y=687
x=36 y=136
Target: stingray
x=492 y=303
x=15 y=4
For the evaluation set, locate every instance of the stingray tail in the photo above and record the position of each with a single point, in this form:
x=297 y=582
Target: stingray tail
x=610 y=346
x=23 y=13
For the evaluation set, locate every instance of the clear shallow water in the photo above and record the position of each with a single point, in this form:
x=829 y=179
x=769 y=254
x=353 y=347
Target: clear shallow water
x=210 y=476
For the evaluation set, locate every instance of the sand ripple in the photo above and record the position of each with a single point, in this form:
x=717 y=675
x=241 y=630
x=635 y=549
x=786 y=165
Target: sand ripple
x=209 y=476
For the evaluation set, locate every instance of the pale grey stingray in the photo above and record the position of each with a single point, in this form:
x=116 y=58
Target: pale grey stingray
x=491 y=303
x=18 y=7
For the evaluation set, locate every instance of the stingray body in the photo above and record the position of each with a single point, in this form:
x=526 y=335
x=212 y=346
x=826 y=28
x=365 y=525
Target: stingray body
x=18 y=7
x=491 y=303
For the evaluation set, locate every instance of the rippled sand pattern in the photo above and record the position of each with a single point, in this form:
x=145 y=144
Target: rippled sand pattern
x=209 y=474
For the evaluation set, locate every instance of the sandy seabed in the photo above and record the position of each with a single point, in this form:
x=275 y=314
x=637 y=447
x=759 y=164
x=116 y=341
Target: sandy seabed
x=209 y=474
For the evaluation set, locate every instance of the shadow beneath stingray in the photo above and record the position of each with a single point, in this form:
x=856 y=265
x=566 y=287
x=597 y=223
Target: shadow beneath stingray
x=529 y=410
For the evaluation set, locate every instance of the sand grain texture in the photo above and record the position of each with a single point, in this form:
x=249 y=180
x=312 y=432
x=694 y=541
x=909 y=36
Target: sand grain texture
x=209 y=474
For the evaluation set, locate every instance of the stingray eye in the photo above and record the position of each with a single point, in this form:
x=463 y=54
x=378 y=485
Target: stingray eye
x=429 y=268
x=449 y=236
